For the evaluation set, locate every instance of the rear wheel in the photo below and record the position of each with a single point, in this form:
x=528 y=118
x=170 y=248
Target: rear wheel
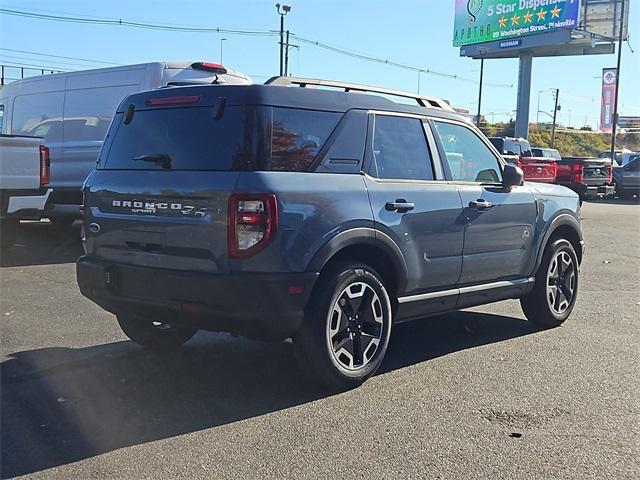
x=554 y=295
x=153 y=334
x=346 y=329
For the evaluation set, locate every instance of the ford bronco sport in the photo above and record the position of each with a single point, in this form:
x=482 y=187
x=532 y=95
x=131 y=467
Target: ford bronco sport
x=325 y=215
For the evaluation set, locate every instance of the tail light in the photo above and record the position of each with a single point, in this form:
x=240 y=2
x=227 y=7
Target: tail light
x=553 y=169
x=576 y=173
x=45 y=166
x=610 y=180
x=252 y=223
x=83 y=205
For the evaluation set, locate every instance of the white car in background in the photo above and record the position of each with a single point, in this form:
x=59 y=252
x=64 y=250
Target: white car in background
x=72 y=112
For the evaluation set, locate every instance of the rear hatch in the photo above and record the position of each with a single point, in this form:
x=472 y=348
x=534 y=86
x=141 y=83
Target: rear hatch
x=160 y=193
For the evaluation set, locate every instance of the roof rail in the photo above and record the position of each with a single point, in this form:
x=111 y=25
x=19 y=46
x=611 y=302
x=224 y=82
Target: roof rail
x=422 y=100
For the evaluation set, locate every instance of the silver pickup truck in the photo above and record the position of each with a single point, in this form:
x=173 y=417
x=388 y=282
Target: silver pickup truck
x=24 y=176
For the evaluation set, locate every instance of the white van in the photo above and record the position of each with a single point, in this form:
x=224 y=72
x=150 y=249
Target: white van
x=72 y=111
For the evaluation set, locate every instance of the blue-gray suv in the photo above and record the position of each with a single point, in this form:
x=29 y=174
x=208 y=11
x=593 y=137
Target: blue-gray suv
x=325 y=214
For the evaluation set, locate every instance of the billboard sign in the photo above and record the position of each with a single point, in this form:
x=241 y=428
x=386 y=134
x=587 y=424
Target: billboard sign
x=608 y=95
x=478 y=21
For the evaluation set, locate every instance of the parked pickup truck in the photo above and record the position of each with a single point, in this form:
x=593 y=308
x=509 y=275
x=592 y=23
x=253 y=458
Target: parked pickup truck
x=536 y=168
x=24 y=174
x=588 y=177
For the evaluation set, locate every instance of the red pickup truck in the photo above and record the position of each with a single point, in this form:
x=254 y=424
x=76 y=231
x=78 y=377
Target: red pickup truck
x=588 y=177
x=518 y=151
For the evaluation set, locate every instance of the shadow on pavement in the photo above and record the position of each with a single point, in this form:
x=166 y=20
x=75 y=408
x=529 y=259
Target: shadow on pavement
x=62 y=405
x=41 y=243
x=616 y=201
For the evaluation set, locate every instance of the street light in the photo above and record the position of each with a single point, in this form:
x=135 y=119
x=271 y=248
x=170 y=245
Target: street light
x=221 y=40
x=282 y=11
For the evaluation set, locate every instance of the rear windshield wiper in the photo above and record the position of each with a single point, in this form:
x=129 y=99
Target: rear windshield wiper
x=161 y=159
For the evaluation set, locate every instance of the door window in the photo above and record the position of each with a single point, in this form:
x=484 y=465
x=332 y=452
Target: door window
x=469 y=158
x=634 y=165
x=400 y=149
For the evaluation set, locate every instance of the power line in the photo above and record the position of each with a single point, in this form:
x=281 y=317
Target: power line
x=31 y=66
x=26 y=59
x=392 y=63
x=129 y=23
x=58 y=56
x=270 y=33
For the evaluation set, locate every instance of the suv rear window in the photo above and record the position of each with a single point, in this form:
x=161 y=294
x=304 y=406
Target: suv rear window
x=192 y=138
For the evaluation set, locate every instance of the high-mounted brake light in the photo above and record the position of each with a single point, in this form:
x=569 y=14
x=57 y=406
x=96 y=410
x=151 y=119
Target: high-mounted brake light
x=45 y=166
x=252 y=223
x=185 y=99
x=209 y=67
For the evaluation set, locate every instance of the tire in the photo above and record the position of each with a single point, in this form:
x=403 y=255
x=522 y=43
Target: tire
x=8 y=233
x=344 y=338
x=62 y=222
x=555 y=291
x=154 y=335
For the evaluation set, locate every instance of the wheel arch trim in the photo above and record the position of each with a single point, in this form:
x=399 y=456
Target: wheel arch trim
x=362 y=236
x=562 y=220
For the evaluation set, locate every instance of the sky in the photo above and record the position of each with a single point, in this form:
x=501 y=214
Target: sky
x=414 y=32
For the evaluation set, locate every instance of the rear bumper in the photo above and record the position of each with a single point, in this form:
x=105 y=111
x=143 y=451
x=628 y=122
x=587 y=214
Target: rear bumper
x=590 y=191
x=248 y=304
x=25 y=204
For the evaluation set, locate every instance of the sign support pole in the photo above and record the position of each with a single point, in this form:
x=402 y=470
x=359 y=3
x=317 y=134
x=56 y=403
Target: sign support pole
x=615 y=97
x=480 y=91
x=524 y=95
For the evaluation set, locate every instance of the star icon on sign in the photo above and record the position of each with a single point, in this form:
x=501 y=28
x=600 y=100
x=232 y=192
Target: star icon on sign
x=541 y=14
x=502 y=22
x=555 y=12
x=515 y=20
x=527 y=17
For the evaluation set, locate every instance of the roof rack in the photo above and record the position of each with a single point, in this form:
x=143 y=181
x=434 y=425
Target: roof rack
x=422 y=100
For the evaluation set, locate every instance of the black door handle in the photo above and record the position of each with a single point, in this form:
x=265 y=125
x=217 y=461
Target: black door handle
x=400 y=205
x=480 y=204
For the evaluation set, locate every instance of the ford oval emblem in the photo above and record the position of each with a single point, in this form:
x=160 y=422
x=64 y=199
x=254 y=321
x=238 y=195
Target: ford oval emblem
x=94 y=227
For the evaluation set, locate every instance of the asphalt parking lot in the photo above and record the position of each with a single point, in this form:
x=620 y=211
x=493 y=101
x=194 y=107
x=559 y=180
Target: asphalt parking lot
x=480 y=393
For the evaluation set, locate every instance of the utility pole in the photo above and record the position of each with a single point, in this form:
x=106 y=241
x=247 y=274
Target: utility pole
x=480 y=91
x=221 y=40
x=538 y=109
x=285 y=9
x=615 y=97
x=286 y=56
x=555 y=113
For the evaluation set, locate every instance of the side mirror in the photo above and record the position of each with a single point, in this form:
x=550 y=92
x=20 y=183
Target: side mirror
x=512 y=176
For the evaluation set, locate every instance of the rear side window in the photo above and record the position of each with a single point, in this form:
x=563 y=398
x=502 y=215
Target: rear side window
x=400 y=149
x=469 y=159
x=38 y=115
x=296 y=138
x=191 y=138
x=88 y=112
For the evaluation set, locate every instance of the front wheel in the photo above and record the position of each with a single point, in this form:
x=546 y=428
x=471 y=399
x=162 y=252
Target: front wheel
x=554 y=295
x=153 y=334
x=346 y=330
